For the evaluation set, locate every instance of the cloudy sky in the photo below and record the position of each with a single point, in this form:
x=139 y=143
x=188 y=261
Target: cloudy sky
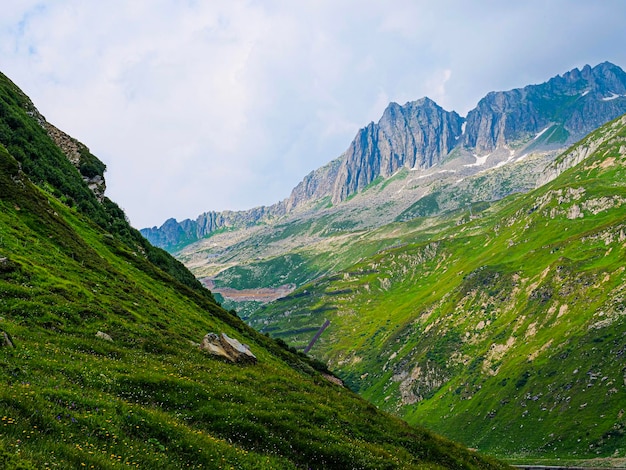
x=210 y=105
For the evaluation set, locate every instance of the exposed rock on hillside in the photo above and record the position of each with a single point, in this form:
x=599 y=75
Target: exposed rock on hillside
x=228 y=348
x=5 y=340
x=79 y=155
x=316 y=185
x=104 y=336
x=90 y=168
x=575 y=103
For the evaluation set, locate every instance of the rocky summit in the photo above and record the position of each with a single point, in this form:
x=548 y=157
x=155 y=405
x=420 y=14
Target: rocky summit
x=565 y=108
x=418 y=135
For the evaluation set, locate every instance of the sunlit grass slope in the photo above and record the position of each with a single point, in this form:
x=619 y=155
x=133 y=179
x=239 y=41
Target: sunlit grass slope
x=150 y=398
x=505 y=330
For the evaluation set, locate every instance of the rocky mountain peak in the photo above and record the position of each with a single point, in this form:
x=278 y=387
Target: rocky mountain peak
x=605 y=78
x=572 y=105
x=416 y=135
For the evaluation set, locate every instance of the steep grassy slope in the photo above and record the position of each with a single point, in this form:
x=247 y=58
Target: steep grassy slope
x=506 y=330
x=24 y=133
x=150 y=398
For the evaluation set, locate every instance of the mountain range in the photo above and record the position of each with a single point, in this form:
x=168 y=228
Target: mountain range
x=505 y=126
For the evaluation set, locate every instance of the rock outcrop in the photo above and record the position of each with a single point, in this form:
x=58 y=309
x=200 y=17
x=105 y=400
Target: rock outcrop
x=5 y=340
x=104 y=336
x=81 y=158
x=90 y=167
x=416 y=135
x=227 y=348
x=316 y=185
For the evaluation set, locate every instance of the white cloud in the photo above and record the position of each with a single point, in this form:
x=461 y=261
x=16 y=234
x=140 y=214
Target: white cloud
x=198 y=106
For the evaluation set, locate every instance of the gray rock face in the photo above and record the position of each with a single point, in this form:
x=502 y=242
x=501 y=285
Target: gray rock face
x=577 y=103
x=5 y=340
x=227 y=348
x=316 y=185
x=416 y=135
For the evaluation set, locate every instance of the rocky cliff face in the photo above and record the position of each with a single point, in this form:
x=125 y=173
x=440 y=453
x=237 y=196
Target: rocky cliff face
x=577 y=102
x=89 y=166
x=316 y=185
x=416 y=135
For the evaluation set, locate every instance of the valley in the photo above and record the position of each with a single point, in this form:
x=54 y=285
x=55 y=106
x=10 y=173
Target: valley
x=478 y=290
x=509 y=320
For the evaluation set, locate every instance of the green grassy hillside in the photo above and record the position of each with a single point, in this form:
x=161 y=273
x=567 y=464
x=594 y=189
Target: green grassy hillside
x=71 y=267
x=505 y=330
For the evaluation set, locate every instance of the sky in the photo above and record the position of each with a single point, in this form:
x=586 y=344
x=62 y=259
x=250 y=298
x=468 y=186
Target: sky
x=199 y=106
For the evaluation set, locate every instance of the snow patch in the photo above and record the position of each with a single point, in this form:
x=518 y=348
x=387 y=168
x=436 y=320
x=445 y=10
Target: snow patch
x=435 y=173
x=612 y=97
x=463 y=127
x=541 y=133
x=508 y=160
x=480 y=161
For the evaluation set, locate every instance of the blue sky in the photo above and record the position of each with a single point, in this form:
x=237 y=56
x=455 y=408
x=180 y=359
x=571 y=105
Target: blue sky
x=197 y=106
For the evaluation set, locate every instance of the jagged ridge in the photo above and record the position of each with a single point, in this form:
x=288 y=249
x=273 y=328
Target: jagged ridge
x=421 y=134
